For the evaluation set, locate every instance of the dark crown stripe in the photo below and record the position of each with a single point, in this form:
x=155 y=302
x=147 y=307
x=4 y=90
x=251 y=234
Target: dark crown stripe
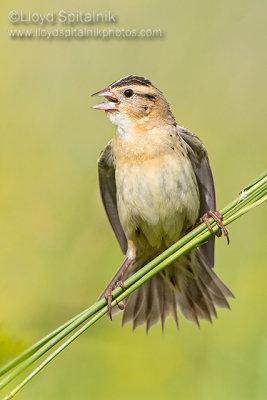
x=131 y=80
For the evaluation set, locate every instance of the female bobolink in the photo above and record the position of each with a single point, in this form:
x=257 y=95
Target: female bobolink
x=156 y=183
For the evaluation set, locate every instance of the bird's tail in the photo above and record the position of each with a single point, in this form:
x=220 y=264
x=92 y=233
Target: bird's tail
x=187 y=283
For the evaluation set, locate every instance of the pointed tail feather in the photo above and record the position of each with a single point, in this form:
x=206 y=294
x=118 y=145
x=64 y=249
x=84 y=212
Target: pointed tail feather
x=153 y=301
x=187 y=283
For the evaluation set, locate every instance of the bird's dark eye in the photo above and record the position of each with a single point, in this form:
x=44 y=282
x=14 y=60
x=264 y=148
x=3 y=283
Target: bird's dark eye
x=128 y=92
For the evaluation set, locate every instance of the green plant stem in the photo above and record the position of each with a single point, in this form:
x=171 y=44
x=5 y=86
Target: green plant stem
x=252 y=197
x=55 y=353
x=31 y=350
x=187 y=247
x=27 y=353
x=44 y=345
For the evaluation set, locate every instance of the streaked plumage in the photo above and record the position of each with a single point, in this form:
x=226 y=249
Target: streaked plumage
x=156 y=182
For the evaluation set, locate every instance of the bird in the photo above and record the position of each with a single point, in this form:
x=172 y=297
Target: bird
x=156 y=183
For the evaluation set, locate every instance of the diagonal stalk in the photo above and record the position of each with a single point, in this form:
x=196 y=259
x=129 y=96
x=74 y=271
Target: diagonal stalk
x=253 y=195
x=187 y=247
x=27 y=353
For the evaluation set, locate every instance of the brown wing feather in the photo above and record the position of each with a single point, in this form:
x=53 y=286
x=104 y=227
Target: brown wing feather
x=107 y=185
x=200 y=162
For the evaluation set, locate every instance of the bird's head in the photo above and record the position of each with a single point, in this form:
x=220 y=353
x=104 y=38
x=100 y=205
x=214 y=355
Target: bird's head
x=133 y=102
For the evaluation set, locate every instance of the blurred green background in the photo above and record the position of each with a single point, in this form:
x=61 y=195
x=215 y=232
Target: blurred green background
x=57 y=249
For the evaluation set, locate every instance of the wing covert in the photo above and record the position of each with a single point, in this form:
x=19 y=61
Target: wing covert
x=198 y=156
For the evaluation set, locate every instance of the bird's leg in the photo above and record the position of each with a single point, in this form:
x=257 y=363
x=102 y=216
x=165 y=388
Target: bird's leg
x=130 y=256
x=218 y=218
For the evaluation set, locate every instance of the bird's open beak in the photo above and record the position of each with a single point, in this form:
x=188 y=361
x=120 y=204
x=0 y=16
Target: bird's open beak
x=112 y=102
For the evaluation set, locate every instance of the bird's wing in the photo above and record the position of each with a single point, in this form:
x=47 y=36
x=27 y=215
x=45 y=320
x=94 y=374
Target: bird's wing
x=107 y=184
x=199 y=159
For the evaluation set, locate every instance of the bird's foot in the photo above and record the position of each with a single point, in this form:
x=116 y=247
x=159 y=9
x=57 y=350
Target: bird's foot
x=108 y=296
x=218 y=218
